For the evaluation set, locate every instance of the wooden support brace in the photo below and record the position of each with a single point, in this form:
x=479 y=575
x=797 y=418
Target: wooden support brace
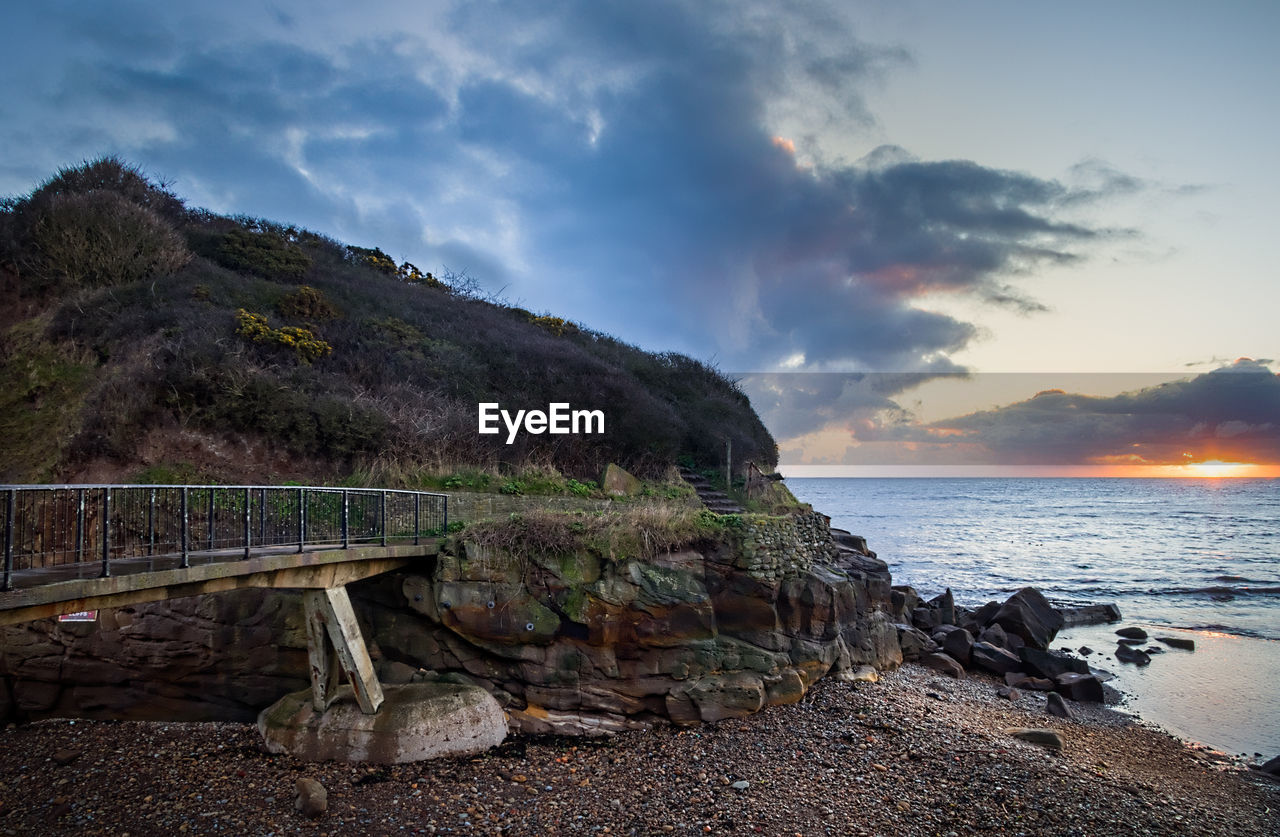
x=332 y=632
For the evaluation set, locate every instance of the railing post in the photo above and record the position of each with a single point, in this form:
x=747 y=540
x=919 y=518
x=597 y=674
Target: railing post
x=151 y=524
x=382 y=513
x=346 y=520
x=417 y=518
x=185 y=537
x=11 y=504
x=79 y=525
x=106 y=533
x=211 y=514
x=246 y=524
x=302 y=518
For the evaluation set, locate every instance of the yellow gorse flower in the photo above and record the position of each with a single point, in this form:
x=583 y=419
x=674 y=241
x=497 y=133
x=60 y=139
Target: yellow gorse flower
x=303 y=341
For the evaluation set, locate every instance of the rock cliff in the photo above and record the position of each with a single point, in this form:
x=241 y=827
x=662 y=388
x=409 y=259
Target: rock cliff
x=570 y=643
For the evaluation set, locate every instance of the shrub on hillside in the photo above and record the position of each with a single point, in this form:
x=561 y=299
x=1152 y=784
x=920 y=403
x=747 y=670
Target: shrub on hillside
x=95 y=238
x=307 y=303
x=267 y=253
x=555 y=325
x=111 y=174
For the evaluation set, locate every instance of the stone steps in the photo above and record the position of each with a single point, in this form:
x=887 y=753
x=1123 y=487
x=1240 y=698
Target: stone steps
x=713 y=500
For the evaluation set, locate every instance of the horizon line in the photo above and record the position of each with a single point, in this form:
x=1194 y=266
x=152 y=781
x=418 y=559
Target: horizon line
x=1196 y=471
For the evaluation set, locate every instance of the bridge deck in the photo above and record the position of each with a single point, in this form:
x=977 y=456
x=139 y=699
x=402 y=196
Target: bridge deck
x=81 y=547
x=279 y=567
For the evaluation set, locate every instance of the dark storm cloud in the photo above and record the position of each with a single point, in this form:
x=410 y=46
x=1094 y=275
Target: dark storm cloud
x=1230 y=414
x=618 y=163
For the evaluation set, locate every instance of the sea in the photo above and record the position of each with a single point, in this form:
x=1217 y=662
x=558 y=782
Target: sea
x=1198 y=558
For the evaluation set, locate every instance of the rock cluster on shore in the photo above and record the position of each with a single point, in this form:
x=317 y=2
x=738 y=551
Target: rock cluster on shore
x=1009 y=640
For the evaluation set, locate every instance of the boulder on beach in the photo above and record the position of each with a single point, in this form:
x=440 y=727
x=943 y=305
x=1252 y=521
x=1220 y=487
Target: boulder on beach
x=1094 y=614
x=415 y=722
x=945 y=606
x=1028 y=614
x=995 y=635
x=1084 y=688
x=1132 y=633
x=914 y=642
x=980 y=618
x=994 y=659
x=1056 y=706
x=1051 y=663
x=1125 y=654
x=1178 y=642
x=1027 y=681
x=958 y=645
x=1037 y=735
x=903 y=599
x=943 y=663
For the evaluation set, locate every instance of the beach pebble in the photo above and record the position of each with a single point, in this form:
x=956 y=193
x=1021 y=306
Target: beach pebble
x=312 y=800
x=741 y=784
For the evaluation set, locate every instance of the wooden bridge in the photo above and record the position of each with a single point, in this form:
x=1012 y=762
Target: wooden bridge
x=74 y=548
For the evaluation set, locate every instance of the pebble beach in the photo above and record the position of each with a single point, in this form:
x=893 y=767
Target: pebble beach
x=913 y=754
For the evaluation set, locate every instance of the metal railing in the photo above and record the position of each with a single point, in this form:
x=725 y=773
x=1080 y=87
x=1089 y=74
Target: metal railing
x=107 y=528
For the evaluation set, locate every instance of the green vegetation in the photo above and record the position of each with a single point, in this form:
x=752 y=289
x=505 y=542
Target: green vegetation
x=43 y=388
x=640 y=531
x=129 y=317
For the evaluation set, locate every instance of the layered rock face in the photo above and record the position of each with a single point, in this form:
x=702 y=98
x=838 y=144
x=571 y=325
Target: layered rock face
x=217 y=657
x=579 y=644
x=572 y=643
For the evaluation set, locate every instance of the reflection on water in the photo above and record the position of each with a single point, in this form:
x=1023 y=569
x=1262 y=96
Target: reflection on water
x=1222 y=694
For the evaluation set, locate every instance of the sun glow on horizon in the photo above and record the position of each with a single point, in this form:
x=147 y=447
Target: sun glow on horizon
x=1216 y=469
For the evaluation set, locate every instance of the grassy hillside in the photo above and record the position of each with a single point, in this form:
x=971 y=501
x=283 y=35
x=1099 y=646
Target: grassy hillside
x=146 y=340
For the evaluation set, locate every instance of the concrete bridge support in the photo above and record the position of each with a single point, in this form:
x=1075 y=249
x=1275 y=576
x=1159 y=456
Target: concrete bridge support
x=334 y=644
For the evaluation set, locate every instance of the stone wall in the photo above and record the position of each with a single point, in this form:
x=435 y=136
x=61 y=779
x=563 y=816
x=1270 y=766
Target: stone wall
x=572 y=643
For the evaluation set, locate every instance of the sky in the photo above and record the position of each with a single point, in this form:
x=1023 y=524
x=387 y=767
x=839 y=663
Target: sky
x=896 y=221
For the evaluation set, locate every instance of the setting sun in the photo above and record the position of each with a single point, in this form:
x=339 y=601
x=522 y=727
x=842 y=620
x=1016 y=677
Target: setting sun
x=1217 y=468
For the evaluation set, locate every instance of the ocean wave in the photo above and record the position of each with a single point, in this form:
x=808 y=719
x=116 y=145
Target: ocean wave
x=1234 y=630
x=1216 y=590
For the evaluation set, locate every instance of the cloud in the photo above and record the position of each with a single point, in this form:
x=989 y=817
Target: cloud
x=1230 y=414
x=647 y=168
